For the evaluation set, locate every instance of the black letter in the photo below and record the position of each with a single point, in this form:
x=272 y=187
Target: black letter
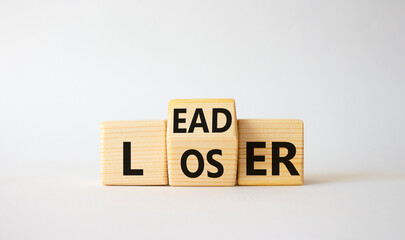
x=228 y=116
x=184 y=163
x=286 y=160
x=177 y=120
x=127 y=161
x=194 y=124
x=251 y=158
x=215 y=163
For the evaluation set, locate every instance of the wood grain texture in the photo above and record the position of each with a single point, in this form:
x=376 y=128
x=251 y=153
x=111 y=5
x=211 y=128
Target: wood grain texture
x=270 y=130
x=178 y=143
x=148 y=152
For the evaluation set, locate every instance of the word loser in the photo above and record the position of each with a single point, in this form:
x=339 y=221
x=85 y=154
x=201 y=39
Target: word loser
x=202 y=144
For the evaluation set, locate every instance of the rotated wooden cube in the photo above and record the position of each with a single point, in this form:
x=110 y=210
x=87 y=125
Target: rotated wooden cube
x=134 y=153
x=271 y=152
x=202 y=142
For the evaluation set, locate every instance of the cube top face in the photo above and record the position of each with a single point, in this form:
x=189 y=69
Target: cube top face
x=202 y=142
x=209 y=118
x=147 y=152
x=257 y=137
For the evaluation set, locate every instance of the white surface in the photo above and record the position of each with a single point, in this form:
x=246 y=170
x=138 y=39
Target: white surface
x=67 y=66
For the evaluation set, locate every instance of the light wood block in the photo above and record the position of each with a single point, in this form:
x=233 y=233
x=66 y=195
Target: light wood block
x=270 y=132
x=202 y=141
x=147 y=152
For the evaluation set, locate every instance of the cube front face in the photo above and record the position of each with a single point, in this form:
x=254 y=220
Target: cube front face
x=202 y=142
x=137 y=146
x=209 y=162
x=270 y=152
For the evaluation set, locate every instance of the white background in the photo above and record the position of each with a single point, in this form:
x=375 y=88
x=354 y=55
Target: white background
x=66 y=66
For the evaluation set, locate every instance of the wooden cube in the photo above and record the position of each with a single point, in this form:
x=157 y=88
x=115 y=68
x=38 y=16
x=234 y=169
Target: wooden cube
x=202 y=142
x=134 y=153
x=270 y=152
